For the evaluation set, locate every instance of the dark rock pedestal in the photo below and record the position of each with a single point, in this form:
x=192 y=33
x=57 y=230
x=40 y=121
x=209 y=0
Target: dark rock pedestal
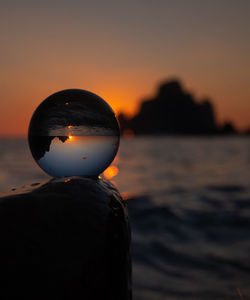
x=65 y=239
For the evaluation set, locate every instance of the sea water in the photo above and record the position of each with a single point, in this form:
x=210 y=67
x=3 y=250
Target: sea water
x=189 y=205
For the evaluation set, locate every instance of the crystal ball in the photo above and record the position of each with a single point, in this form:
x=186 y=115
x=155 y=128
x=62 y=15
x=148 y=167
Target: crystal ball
x=74 y=133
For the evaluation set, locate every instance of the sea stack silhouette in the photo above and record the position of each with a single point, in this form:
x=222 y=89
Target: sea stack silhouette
x=174 y=111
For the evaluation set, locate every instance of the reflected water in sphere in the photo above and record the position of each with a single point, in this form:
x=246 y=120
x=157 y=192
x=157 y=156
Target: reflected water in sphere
x=74 y=133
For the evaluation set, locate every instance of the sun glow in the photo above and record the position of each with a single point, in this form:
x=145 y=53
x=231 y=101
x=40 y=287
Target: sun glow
x=111 y=172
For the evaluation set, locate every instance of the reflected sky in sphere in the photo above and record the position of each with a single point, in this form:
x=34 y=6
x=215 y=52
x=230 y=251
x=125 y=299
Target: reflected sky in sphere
x=74 y=133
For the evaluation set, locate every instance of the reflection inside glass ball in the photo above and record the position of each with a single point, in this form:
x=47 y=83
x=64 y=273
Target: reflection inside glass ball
x=74 y=132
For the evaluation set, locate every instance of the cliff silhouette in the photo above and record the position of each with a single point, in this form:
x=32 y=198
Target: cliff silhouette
x=174 y=111
x=41 y=144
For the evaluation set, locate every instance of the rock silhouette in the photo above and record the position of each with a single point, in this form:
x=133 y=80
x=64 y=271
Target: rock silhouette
x=65 y=239
x=174 y=111
x=41 y=144
x=227 y=128
x=247 y=132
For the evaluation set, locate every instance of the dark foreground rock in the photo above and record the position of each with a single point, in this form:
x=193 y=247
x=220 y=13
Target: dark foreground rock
x=65 y=239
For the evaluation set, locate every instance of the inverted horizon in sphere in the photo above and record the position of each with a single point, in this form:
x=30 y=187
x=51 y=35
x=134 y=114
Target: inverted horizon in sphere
x=74 y=132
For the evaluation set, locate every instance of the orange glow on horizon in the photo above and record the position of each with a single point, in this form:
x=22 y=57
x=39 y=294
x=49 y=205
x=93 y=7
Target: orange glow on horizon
x=127 y=102
x=121 y=100
x=123 y=63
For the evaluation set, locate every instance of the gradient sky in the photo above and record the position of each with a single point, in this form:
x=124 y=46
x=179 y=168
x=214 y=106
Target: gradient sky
x=121 y=50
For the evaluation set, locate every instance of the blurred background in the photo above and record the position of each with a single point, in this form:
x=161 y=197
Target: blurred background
x=176 y=74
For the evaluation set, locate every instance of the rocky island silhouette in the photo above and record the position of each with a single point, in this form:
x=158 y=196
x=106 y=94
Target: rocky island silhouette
x=174 y=111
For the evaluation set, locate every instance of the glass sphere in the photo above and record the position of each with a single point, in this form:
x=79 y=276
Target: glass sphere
x=74 y=132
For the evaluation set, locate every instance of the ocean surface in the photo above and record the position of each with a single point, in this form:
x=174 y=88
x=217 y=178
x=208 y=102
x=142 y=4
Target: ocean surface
x=189 y=205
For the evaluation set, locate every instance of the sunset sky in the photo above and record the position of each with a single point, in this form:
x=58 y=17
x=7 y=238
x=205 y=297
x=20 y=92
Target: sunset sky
x=121 y=50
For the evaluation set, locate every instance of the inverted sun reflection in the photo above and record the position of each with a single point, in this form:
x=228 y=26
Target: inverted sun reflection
x=79 y=140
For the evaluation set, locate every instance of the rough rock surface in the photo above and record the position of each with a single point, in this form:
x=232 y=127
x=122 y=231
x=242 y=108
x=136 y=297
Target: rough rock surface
x=65 y=239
